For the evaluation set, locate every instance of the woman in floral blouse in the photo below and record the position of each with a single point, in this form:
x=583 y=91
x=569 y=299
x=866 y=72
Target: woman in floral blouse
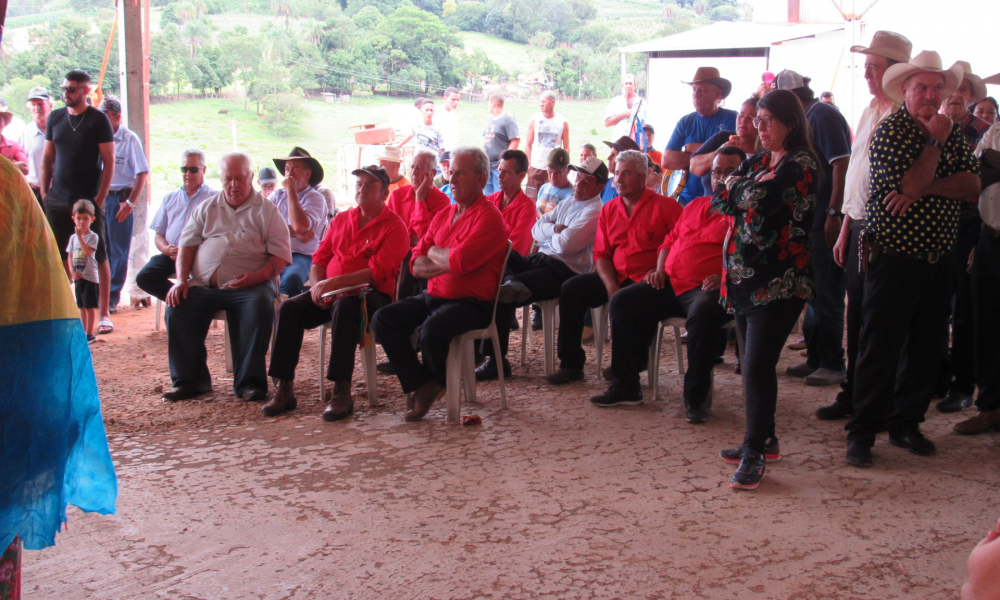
x=767 y=277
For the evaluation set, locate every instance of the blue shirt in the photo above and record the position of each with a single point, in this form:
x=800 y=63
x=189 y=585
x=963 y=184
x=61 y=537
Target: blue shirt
x=549 y=197
x=176 y=208
x=831 y=139
x=130 y=160
x=314 y=205
x=610 y=192
x=696 y=129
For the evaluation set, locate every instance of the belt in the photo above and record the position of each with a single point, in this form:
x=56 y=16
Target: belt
x=968 y=214
x=932 y=256
x=991 y=231
x=124 y=192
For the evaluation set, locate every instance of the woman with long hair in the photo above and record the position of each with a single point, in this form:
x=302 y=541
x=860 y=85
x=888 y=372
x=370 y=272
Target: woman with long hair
x=767 y=277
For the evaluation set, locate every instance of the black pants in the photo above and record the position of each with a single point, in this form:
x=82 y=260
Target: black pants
x=765 y=331
x=439 y=320
x=986 y=308
x=60 y=216
x=854 y=277
x=576 y=295
x=154 y=278
x=300 y=313
x=957 y=367
x=540 y=273
x=823 y=326
x=904 y=320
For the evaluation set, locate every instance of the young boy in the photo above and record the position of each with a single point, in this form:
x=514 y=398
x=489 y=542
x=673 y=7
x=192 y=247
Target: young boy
x=83 y=266
x=428 y=136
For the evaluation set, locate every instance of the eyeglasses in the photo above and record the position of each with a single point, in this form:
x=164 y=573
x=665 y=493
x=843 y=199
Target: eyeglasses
x=191 y=170
x=765 y=121
x=70 y=89
x=720 y=173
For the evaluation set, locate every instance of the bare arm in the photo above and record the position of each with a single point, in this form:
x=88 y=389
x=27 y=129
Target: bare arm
x=606 y=271
x=164 y=246
x=702 y=163
x=434 y=263
x=531 y=139
x=658 y=276
x=514 y=143
x=960 y=186
x=45 y=170
x=185 y=258
x=403 y=143
x=612 y=121
x=336 y=283
x=107 y=173
x=298 y=220
x=565 y=136
x=672 y=159
x=124 y=210
x=271 y=267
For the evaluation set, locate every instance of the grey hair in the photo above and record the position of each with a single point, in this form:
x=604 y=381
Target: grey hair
x=482 y=161
x=243 y=157
x=425 y=152
x=635 y=158
x=193 y=152
x=548 y=94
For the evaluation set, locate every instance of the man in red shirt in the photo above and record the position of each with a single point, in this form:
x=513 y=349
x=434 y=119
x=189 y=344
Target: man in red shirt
x=515 y=206
x=10 y=148
x=365 y=245
x=684 y=283
x=629 y=232
x=418 y=202
x=461 y=256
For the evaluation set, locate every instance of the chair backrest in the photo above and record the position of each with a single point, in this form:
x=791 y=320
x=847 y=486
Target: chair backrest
x=503 y=269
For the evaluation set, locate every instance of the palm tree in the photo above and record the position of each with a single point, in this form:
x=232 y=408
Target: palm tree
x=198 y=33
x=185 y=11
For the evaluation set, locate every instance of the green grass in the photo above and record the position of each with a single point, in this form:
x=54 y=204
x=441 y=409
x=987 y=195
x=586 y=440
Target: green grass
x=511 y=56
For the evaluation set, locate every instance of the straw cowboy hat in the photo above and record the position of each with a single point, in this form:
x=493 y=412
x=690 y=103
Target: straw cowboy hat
x=711 y=75
x=888 y=44
x=992 y=79
x=5 y=115
x=300 y=154
x=391 y=154
x=927 y=61
x=978 y=87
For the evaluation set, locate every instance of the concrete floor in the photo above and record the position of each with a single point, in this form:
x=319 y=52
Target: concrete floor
x=552 y=498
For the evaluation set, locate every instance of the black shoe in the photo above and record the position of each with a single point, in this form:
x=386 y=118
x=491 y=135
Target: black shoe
x=834 y=412
x=750 y=472
x=513 y=291
x=859 y=454
x=181 y=392
x=514 y=324
x=696 y=414
x=385 y=368
x=536 y=318
x=488 y=370
x=772 y=452
x=915 y=442
x=617 y=397
x=562 y=376
x=954 y=402
x=719 y=360
x=255 y=395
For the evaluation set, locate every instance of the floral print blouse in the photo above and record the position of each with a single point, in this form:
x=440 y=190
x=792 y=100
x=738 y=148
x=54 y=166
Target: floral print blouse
x=767 y=252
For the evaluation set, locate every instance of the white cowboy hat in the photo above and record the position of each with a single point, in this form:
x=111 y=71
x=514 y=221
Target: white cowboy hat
x=927 y=61
x=888 y=44
x=992 y=79
x=978 y=87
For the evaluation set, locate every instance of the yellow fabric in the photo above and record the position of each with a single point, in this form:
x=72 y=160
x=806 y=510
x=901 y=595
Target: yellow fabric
x=33 y=284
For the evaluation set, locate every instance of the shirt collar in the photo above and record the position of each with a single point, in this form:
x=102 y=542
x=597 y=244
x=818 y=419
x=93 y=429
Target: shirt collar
x=120 y=134
x=255 y=199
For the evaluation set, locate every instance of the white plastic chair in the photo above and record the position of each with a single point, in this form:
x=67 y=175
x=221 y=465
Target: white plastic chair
x=461 y=363
x=653 y=369
x=599 y=317
x=550 y=316
x=368 y=364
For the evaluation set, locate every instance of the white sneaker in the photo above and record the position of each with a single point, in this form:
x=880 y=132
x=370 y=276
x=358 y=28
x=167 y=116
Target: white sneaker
x=823 y=377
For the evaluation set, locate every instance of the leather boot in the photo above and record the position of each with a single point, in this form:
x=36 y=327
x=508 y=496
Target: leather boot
x=423 y=398
x=282 y=400
x=980 y=423
x=341 y=404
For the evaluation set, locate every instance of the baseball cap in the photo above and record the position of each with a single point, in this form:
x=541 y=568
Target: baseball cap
x=593 y=166
x=558 y=159
x=789 y=80
x=375 y=171
x=110 y=103
x=267 y=175
x=39 y=92
x=445 y=156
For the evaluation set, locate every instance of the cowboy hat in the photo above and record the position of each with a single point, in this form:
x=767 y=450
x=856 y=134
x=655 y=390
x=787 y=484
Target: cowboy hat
x=391 y=154
x=5 y=115
x=978 y=87
x=711 y=75
x=992 y=79
x=887 y=44
x=927 y=61
x=623 y=143
x=300 y=154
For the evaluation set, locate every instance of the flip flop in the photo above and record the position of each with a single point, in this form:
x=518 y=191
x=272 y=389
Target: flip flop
x=105 y=326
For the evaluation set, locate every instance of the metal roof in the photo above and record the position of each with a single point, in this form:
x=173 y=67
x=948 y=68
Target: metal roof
x=727 y=35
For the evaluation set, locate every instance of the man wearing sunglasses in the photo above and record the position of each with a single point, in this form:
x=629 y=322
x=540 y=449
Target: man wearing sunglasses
x=78 y=163
x=177 y=206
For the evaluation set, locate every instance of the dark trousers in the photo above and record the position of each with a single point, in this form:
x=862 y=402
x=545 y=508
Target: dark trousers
x=540 y=273
x=765 y=331
x=439 y=320
x=823 y=325
x=59 y=214
x=38 y=196
x=300 y=313
x=854 y=277
x=154 y=278
x=119 y=243
x=986 y=307
x=904 y=320
x=576 y=295
x=249 y=316
x=957 y=367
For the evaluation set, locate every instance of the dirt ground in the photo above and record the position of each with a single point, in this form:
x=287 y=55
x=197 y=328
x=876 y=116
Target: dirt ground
x=551 y=498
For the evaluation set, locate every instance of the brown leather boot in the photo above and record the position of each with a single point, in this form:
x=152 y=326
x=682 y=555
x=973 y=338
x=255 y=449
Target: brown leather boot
x=282 y=399
x=341 y=404
x=981 y=422
x=423 y=398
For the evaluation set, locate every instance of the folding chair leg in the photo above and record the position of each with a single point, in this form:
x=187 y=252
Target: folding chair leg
x=679 y=348
x=229 y=346
x=549 y=337
x=322 y=362
x=454 y=381
x=368 y=364
x=469 y=369
x=525 y=338
x=503 y=391
x=653 y=367
x=159 y=307
x=598 y=316
x=711 y=389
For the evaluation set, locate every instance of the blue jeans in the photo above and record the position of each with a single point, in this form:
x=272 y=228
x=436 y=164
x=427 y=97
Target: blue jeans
x=119 y=243
x=249 y=316
x=824 y=322
x=295 y=275
x=493 y=184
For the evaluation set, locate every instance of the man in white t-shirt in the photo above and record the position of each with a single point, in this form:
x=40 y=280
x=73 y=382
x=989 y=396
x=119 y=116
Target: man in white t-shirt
x=447 y=119
x=546 y=131
x=624 y=108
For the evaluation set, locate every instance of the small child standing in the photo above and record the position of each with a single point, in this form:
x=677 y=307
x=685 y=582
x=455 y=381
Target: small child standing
x=83 y=265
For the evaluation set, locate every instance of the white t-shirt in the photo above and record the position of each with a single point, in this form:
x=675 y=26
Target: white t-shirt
x=617 y=106
x=447 y=122
x=548 y=135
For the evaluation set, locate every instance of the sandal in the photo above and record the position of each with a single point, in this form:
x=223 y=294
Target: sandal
x=105 y=326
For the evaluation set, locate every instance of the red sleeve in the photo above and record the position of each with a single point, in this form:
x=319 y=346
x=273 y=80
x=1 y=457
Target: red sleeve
x=480 y=246
x=321 y=257
x=423 y=212
x=19 y=155
x=668 y=241
x=427 y=240
x=386 y=262
x=394 y=200
x=601 y=246
x=520 y=222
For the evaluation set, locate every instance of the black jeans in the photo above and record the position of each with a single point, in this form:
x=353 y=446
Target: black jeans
x=765 y=331
x=576 y=295
x=154 y=278
x=957 y=367
x=824 y=322
x=854 y=277
x=541 y=274
x=300 y=313
x=439 y=320
x=986 y=308
x=904 y=320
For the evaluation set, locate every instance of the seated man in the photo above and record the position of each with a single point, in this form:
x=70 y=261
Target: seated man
x=461 y=255
x=630 y=229
x=418 y=202
x=304 y=210
x=232 y=247
x=170 y=219
x=565 y=238
x=516 y=207
x=684 y=283
x=363 y=245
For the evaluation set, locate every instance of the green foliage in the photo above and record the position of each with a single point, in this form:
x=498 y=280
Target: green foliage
x=593 y=35
x=413 y=38
x=723 y=13
x=469 y=16
x=386 y=7
x=477 y=65
x=169 y=16
x=70 y=44
x=368 y=18
x=542 y=39
x=284 y=112
x=16 y=94
x=90 y=6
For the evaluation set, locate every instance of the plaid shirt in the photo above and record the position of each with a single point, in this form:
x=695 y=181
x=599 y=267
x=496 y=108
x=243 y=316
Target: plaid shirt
x=973 y=128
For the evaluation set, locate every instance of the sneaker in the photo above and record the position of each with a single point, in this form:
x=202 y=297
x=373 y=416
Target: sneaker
x=954 y=402
x=771 y=452
x=803 y=370
x=91 y=338
x=617 y=397
x=513 y=291
x=750 y=472
x=822 y=377
x=799 y=345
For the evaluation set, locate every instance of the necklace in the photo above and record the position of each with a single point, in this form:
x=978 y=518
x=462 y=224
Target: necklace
x=69 y=118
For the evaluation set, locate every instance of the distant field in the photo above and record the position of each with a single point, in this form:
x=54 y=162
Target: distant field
x=640 y=18
x=511 y=56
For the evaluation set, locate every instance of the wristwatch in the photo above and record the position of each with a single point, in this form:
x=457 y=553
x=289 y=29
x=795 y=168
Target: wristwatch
x=833 y=212
x=934 y=142
x=130 y=203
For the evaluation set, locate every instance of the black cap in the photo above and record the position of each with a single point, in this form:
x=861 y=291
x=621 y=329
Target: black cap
x=375 y=171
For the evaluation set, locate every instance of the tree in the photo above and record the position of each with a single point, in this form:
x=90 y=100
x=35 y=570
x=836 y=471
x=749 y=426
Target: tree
x=413 y=37
x=241 y=57
x=469 y=16
x=368 y=18
x=19 y=88
x=198 y=34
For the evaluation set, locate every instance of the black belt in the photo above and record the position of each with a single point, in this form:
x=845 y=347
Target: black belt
x=995 y=233
x=932 y=256
x=124 y=192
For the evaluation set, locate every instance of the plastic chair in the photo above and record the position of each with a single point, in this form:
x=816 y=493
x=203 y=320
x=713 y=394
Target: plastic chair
x=461 y=363
x=599 y=316
x=653 y=370
x=368 y=364
x=549 y=323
